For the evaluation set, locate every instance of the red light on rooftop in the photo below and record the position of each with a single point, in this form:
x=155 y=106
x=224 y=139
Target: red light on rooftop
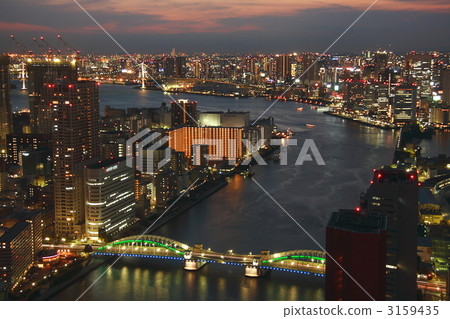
x=358 y=209
x=411 y=176
x=379 y=175
x=49 y=85
x=371 y=182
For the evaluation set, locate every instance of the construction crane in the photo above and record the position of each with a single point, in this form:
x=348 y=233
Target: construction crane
x=40 y=46
x=22 y=47
x=50 y=49
x=73 y=51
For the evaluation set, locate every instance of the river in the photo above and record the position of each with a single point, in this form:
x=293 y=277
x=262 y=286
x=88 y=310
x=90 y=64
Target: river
x=241 y=216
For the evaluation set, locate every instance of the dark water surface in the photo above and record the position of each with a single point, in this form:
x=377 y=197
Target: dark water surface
x=242 y=217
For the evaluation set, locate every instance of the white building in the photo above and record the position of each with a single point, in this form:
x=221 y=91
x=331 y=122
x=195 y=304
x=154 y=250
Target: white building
x=109 y=197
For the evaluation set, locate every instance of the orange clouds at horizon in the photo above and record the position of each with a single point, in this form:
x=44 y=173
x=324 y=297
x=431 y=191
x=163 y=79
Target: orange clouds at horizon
x=200 y=16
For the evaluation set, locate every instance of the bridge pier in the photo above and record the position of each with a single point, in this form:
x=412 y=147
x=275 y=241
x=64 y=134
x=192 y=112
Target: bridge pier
x=255 y=271
x=193 y=264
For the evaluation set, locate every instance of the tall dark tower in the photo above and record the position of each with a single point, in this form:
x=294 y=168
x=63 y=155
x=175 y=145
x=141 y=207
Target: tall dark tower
x=75 y=110
x=357 y=241
x=5 y=104
x=283 y=67
x=40 y=75
x=395 y=193
x=310 y=68
x=183 y=112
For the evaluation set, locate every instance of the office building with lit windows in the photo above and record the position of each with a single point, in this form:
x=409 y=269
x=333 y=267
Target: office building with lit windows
x=405 y=103
x=109 y=197
x=164 y=188
x=26 y=142
x=419 y=70
x=75 y=108
x=113 y=144
x=16 y=250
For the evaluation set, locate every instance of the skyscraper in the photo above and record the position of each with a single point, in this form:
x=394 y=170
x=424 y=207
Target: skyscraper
x=395 y=193
x=183 y=112
x=40 y=74
x=75 y=109
x=310 y=68
x=283 y=67
x=376 y=244
x=5 y=104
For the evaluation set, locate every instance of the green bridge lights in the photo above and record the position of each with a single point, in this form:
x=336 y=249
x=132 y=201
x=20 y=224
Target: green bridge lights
x=141 y=241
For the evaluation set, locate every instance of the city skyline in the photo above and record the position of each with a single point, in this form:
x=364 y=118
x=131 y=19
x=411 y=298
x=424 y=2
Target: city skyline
x=141 y=26
x=142 y=142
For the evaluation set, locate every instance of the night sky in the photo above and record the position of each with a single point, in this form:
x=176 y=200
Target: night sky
x=228 y=26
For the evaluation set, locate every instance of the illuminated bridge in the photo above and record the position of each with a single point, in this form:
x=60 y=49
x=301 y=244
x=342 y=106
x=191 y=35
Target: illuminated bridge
x=307 y=262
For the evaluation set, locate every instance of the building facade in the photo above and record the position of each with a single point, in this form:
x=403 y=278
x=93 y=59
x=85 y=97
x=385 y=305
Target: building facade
x=183 y=112
x=75 y=108
x=16 y=251
x=109 y=194
x=357 y=242
x=395 y=193
x=40 y=75
x=224 y=143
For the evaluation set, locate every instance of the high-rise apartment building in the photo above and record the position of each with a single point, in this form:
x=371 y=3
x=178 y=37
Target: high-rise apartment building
x=75 y=109
x=40 y=75
x=183 y=112
x=310 y=68
x=109 y=197
x=283 y=71
x=164 y=188
x=5 y=104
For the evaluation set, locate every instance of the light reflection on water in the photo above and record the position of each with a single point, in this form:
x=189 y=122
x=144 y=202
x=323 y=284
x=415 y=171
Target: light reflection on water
x=241 y=217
